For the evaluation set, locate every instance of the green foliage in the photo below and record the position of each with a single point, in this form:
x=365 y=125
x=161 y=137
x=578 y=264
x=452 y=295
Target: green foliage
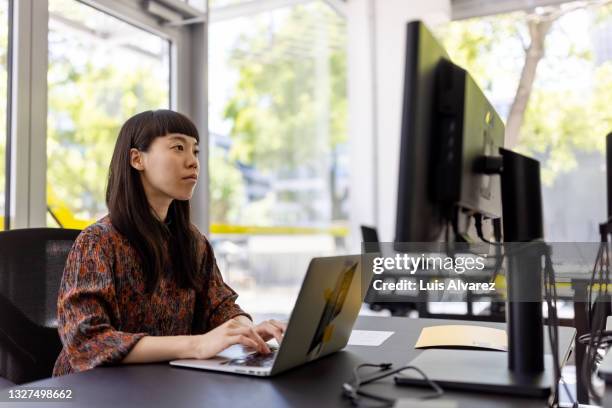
x=559 y=123
x=477 y=45
x=283 y=117
x=603 y=14
x=561 y=119
x=226 y=189
x=87 y=105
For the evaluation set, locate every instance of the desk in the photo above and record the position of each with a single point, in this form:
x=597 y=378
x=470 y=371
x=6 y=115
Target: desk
x=317 y=384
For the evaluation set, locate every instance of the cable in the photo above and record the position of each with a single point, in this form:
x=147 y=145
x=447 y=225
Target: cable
x=605 y=337
x=499 y=255
x=596 y=316
x=497 y=230
x=354 y=390
x=550 y=293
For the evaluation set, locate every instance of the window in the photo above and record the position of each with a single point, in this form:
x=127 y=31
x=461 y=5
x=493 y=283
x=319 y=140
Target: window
x=278 y=147
x=4 y=32
x=101 y=71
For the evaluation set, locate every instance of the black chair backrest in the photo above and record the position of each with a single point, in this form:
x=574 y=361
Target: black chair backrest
x=31 y=266
x=395 y=303
x=370 y=236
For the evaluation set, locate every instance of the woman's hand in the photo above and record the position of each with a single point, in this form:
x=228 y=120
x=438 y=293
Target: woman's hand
x=234 y=331
x=271 y=329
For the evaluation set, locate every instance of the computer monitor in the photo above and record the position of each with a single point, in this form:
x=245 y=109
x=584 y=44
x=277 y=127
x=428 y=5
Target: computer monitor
x=447 y=125
x=453 y=166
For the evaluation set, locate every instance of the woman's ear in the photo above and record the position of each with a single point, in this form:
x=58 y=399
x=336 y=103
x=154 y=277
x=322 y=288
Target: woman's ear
x=136 y=159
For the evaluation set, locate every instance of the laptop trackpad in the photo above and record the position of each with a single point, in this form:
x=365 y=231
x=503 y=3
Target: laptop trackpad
x=235 y=351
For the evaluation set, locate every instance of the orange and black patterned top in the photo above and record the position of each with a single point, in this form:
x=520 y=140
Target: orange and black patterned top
x=103 y=309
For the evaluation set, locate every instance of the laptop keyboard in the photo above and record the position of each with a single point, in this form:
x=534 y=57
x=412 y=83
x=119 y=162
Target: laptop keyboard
x=254 y=360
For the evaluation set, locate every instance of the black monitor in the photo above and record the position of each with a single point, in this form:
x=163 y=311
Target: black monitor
x=447 y=124
x=453 y=167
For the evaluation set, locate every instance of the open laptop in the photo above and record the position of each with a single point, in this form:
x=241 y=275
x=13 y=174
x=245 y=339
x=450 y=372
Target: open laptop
x=321 y=322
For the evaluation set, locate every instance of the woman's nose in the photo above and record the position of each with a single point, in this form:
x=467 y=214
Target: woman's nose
x=194 y=161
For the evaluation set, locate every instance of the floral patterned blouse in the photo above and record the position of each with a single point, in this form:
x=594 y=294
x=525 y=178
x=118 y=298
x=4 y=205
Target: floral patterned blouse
x=103 y=309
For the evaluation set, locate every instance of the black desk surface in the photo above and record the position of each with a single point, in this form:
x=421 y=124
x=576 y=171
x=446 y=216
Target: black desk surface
x=317 y=384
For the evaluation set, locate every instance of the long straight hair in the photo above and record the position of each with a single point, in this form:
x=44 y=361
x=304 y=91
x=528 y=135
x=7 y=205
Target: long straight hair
x=130 y=211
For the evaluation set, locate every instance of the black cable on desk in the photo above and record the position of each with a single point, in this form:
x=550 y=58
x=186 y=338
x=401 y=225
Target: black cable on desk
x=354 y=390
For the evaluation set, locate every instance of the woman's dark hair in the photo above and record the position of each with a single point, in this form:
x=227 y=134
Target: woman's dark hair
x=129 y=209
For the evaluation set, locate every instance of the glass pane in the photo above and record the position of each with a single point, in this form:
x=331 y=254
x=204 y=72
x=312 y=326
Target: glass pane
x=101 y=71
x=569 y=110
x=4 y=26
x=278 y=148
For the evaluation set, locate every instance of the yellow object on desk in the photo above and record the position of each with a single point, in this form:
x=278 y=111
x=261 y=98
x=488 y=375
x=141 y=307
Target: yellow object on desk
x=450 y=336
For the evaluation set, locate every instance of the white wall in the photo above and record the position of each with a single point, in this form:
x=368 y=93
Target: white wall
x=376 y=42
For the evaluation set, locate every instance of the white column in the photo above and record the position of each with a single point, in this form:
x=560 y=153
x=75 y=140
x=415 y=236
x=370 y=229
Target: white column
x=376 y=31
x=190 y=82
x=28 y=153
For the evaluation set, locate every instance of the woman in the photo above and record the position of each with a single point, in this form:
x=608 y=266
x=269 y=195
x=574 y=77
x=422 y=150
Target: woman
x=142 y=284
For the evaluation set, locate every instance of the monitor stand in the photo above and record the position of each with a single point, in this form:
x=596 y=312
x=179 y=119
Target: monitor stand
x=478 y=370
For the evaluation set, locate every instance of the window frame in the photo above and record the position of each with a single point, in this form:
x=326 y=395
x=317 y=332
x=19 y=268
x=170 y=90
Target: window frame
x=7 y=159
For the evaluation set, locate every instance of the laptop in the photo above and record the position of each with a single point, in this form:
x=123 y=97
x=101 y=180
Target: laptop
x=321 y=322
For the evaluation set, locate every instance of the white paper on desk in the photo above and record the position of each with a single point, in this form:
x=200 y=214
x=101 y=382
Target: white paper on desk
x=368 y=337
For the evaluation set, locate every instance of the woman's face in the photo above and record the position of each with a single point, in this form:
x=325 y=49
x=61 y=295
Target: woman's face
x=169 y=169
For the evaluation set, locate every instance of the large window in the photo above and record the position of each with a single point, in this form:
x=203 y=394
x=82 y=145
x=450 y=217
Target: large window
x=101 y=71
x=561 y=57
x=4 y=27
x=278 y=147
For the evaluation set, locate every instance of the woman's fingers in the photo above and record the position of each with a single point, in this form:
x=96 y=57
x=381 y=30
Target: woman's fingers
x=249 y=331
x=244 y=340
x=264 y=347
x=268 y=330
x=282 y=326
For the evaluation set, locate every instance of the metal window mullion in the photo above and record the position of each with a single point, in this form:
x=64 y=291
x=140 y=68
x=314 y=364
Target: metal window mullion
x=7 y=154
x=190 y=80
x=28 y=155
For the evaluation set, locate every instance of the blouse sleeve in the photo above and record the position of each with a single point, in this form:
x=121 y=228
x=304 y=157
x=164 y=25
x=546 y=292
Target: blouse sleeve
x=87 y=307
x=219 y=299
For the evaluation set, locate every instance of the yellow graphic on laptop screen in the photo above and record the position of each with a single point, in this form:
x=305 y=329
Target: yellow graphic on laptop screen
x=334 y=301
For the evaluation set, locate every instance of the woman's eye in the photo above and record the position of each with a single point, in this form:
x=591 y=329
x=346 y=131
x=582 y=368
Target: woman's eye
x=179 y=147
x=197 y=152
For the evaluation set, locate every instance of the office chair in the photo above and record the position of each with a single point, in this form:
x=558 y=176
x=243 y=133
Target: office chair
x=31 y=266
x=5 y=383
